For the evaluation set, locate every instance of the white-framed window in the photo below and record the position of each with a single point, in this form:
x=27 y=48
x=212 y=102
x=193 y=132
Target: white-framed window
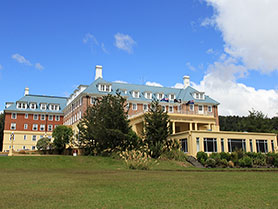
x=23 y=147
x=135 y=94
x=104 y=87
x=34 y=138
x=200 y=109
x=25 y=137
x=33 y=147
x=160 y=96
x=209 y=108
x=43 y=106
x=26 y=116
x=127 y=106
x=134 y=106
x=50 y=117
x=35 y=117
x=25 y=126
x=14 y=115
x=171 y=109
x=21 y=105
x=164 y=108
x=179 y=108
x=191 y=107
x=93 y=100
x=42 y=117
x=35 y=127
x=42 y=127
x=54 y=107
x=57 y=117
x=13 y=126
x=199 y=95
x=50 y=128
x=145 y=107
x=148 y=95
x=172 y=97
x=33 y=106
x=41 y=136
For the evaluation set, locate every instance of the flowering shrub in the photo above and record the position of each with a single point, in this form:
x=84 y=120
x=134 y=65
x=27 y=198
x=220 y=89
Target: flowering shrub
x=137 y=159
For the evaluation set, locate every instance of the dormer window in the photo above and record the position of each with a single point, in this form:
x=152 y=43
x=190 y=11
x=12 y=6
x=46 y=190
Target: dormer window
x=33 y=106
x=43 y=106
x=21 y=105
x=172 y=97
x=160 y=96
x=54 y=107
x=104 y=87
x=148 y=95
x=199 y=95
x=135 y=94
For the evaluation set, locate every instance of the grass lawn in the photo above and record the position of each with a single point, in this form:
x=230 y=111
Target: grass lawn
x=98 y=182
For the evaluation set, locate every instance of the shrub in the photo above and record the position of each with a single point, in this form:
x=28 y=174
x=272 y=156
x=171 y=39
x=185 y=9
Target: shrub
x=271 y=158
x=245 y=162
x=225 y=155
x=202 y=157
x=223 y=163
x=137 y=159
x=210 y=162
x=174 y=155
x=217 y=158
x=21 y=152
x=260 y=159
x=231 y=164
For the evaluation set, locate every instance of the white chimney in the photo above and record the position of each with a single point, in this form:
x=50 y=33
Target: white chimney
x=186 y=81
x=98 y=72
x=26 y=91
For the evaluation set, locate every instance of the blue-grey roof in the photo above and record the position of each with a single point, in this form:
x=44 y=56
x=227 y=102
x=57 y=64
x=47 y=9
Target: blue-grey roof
x=184 y=95
x=38 y=99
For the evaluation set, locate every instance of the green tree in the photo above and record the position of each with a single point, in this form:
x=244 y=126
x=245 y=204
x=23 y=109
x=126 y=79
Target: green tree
x=43 y=144
x=2 y=124
x=156 y=129
x=62 y=136
x=105 y=126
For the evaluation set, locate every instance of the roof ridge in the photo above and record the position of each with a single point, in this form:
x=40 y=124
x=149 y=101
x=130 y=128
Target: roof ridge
x=46 y=96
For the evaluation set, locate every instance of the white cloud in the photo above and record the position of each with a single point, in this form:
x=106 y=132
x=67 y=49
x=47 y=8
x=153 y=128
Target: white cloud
x=104 y=49
x=118 y=81
x=190 y=67
x=178 y=86
x=90 y=38
x=236 y=98
x=249 y=29
x=124 y=42
x=210 y=51
x=149 y=83
x=39 y=66
x=20 y=59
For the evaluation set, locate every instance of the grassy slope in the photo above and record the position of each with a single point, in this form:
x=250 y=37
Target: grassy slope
x=96 y=182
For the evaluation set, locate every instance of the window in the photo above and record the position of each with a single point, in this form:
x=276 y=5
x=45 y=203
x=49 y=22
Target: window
x=145 y=107
x=14 y=115
x=234 y=144
x=25 y=126
x=33 y=106
x=57 y=118
x=24 y=137
x=93 y=100
x=50 y=127
x=209 y=108
x=261 y=146
x=41 y=136
x=222 y=145
x=272 y=145
x=171 y=109
x=148 y=95
x=210 y=145
x=134 y=106
x=35 y=117
x=54 y=107
x=251 y=145
x=172 y=97
x=21 y=105
x=184 y=145
x=179 y=108
x=23 y=147
x=50 y=117
x=200 y=108
x=164 y=108
x=127 y=106
x=55 y=126
x=42 y=127
x=160 y=96
x=198 y=144
x=34 y=138
x=197 y=95
x=13 y=126
x=43 y=106
x=42 y=117
x=104 y=87
x=26 y=116
x=35 y=127
x=135 y=94
x=33 y=147
x=191 y=107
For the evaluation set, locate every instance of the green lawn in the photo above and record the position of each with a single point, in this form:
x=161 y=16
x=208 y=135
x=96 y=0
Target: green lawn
x=98 y=182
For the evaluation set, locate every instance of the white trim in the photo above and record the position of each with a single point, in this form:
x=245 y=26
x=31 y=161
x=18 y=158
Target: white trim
x=13 y=116
x=134 y=106
x=13 y=126
x=34 y=117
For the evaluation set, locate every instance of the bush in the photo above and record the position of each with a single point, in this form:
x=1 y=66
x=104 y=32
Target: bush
x=223 y=163
x=245 y=162
x=210 y=162
x=260 y=159
x=202 y=157
x=231 y=164
x=137 y=159
x=272 y=158
x=225 y=155
x=174 y=155
x=21 y=152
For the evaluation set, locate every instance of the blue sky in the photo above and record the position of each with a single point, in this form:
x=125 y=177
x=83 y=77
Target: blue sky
x=53 y=46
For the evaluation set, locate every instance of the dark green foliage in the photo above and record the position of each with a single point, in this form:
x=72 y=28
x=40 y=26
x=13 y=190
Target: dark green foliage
x=245 y=162
x=2 y=124
x=105 y=127
x=62 y=136
x=156 y=129
x=43 y=144
x=210 y=162
x=225 y=155
x=202 y=157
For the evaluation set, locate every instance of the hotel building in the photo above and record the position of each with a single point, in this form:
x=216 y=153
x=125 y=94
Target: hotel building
x=193 y=115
